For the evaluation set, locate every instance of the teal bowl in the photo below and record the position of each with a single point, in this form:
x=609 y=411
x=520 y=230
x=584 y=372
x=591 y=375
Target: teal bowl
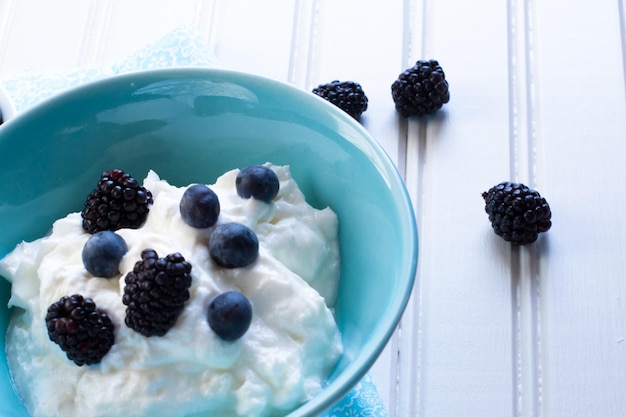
x=192 y=125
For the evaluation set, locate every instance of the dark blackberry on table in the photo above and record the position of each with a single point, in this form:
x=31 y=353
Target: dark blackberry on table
x=421 y=89
x=84 y=332
x=155 y=292
x=117 y=202
x=517 y=213
x=347 y=95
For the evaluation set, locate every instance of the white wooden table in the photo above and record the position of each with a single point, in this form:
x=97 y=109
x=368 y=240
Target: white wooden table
x=537 y=96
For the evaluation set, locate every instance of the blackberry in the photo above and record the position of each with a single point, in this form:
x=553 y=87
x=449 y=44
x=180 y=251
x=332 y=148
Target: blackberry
x=421 y=89
x=117 y=202
x=347 y=95
x=84 y=332
x=517 y=213
x=155 y=292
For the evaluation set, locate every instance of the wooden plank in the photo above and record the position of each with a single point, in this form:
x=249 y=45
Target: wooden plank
x=580 y=130
x=464 y=315
x=58 y=35
x=7 y=15
x=349 y=46
x=345 y=45
x=255 y=37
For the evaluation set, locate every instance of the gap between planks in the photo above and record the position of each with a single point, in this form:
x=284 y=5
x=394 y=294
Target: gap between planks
x=525 y=278
x=406 y=395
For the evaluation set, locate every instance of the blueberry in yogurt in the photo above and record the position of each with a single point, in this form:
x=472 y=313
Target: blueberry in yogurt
x=230 y=315
x=199 y=206
x=258 y=182
x=233 y=245
x=103 y=252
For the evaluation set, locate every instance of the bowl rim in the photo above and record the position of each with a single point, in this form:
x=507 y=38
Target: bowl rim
x=354 y=372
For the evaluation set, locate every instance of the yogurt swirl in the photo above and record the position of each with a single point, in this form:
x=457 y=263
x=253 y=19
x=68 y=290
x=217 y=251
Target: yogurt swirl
x=282 y=361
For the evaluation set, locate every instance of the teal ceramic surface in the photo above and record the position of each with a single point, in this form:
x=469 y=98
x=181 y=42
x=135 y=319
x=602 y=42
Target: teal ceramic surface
x=192 y=125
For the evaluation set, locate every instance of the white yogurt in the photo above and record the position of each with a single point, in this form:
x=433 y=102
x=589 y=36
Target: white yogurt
x=291 y=346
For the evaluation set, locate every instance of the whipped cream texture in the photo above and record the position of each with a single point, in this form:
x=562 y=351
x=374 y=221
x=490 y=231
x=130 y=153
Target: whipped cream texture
x=282 y=361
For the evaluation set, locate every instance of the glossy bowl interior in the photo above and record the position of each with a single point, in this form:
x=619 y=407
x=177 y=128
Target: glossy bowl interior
x=191 y=125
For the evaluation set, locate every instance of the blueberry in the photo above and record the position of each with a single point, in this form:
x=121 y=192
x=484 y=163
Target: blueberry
x=233 y=245
x=103 y=252
x=199 y=206
x=258 y=182
x=229 y=315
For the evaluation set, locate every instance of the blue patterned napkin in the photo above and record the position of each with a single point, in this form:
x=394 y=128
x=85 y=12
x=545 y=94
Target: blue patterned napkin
x=180 y=48
x=362 y=401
